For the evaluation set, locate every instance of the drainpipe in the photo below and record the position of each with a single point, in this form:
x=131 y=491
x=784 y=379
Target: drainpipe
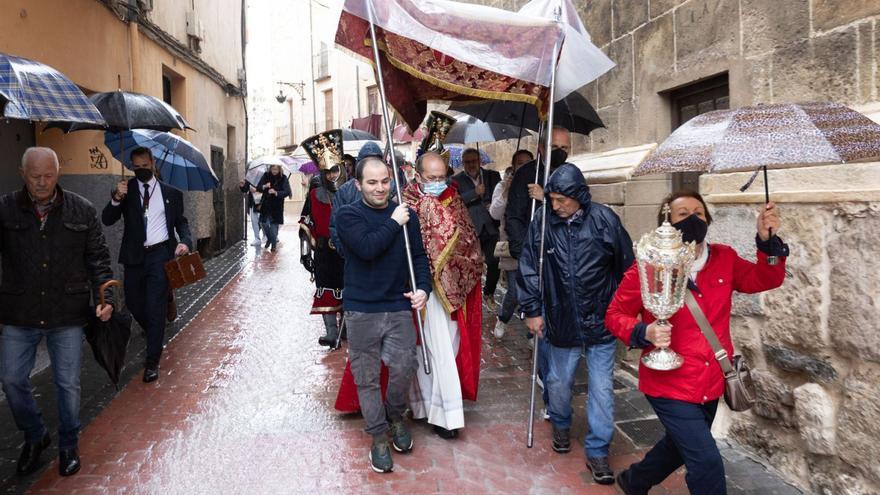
x=312 y=71
x=134 y=46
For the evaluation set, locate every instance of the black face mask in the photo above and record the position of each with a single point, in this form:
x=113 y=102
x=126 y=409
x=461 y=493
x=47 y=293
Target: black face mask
x=692 y=228
x=558 y=157
x=143 y=174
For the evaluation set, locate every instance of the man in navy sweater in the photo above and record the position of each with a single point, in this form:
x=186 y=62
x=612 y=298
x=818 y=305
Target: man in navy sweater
x=378 y=303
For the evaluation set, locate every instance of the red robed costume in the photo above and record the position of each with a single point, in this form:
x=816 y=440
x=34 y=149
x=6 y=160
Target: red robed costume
x=456 y=267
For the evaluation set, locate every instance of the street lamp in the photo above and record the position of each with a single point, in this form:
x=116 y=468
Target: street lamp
x=298 y=87
x=281 y=98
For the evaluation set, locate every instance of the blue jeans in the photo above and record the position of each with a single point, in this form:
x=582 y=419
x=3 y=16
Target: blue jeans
x=562 y=364
x=271 y=230
x=18 y=349
x=688 y=441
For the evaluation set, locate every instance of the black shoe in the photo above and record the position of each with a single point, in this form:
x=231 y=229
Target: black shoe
x=29 y=460
x=623 y=483
x=68 y=462
x=561 y=440
x=172 y=308
x=327 y=341
x=267 y=245
x=151 y=374
x=444 y=433
x=602 y=472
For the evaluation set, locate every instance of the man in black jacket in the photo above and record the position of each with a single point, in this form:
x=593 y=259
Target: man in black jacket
x=153 y=212
x=475 y=186
x=586 y=252
x=524 y=189
x=54 y=259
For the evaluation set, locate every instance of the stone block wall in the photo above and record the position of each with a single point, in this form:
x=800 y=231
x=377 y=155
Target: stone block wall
x=779 y=51
x=813 y=342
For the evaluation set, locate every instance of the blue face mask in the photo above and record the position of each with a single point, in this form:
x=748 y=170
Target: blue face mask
x=434 y=188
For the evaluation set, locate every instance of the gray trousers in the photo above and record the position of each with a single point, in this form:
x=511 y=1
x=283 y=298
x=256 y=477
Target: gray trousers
x=373 y=339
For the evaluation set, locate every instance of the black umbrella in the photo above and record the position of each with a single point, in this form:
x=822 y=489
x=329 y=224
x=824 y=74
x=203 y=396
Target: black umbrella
x=109 y=339
x=124 y=111
x=357 y=135
x=573 y=112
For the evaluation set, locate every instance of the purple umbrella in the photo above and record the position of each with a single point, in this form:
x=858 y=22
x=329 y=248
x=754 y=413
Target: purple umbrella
x=308 y=168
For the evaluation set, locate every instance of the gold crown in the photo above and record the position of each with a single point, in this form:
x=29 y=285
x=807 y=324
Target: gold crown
x=325 y=149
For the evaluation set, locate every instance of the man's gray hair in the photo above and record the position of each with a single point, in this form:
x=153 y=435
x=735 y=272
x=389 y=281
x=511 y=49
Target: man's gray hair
x=36 y=152
x=542 y=139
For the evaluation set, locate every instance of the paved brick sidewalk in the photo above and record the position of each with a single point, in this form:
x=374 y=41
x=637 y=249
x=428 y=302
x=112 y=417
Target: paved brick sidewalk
x=244 y=404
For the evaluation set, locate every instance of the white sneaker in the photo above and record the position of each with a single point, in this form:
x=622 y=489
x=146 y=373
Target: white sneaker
x=256 y=243
x=500 y=328
x=545 y=414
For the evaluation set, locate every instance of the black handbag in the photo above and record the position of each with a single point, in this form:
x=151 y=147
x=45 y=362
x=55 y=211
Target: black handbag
x=739 y=389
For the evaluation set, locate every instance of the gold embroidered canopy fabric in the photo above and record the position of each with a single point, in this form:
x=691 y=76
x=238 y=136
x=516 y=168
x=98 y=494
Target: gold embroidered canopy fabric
x=414 y=73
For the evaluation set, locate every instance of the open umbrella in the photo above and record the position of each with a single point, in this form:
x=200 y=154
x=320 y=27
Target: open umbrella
x=308 y=168
x=109 y=339
x=356 y=135
x=573 y=112
x=455 y=156
x=469 y=129
x=124 y=110
x=178 y=161
x=775 y=136
x=259 y=166
x=30 y=90
x=758 y=137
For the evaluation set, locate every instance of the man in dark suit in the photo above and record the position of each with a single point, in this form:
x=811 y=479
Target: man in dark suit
x=153 y=212
x=475 y=185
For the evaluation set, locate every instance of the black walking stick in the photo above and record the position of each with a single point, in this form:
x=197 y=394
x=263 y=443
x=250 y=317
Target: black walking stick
x=549 y=126
x=389 y=135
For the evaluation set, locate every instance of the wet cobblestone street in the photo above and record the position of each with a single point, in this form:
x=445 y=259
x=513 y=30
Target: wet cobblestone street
x=244 y=404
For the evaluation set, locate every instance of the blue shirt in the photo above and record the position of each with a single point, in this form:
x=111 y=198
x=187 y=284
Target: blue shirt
x=376 y=269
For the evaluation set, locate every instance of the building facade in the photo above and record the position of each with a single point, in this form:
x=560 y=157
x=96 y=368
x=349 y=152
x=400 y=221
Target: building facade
x=187 y=53
x=300 y=83
x=813 y=342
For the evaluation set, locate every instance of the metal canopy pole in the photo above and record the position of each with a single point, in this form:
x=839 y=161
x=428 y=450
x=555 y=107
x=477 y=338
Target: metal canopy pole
x=389 y=135
x=549 y=134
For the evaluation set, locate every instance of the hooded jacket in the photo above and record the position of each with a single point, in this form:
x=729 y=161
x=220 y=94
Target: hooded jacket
x=585 y=258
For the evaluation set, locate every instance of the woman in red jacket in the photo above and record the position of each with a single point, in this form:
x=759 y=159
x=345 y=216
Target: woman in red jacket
x=686 y=399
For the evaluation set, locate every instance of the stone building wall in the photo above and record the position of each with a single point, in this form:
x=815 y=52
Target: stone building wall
x=813 y=342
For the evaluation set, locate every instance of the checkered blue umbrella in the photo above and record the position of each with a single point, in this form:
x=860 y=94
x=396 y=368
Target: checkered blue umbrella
x=455 y=156
x=179 y=163
x=30 y=90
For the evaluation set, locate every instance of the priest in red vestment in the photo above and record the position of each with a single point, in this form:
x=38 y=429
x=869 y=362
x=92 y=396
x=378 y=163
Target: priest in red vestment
x=453 y=316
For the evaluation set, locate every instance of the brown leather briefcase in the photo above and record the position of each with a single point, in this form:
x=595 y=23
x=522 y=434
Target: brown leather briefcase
x=184 y=270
